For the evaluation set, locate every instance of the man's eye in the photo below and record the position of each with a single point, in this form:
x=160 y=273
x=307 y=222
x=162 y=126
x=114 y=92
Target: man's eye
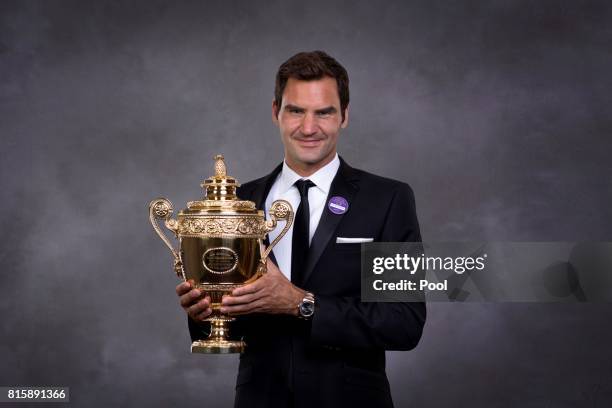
x=323 y=114
x=292 y=110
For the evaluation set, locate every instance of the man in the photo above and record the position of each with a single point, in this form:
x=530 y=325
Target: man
x=310 y=340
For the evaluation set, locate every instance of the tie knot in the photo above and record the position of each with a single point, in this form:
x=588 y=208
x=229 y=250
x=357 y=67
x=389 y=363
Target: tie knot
x=303 y=186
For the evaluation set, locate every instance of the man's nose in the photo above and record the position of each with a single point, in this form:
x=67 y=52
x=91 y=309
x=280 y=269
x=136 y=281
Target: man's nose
x=309 y=124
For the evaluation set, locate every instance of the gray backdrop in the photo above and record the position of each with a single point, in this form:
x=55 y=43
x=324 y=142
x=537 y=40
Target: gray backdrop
x=497 y=113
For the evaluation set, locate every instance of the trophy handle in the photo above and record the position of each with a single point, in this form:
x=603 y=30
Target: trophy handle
x=161 y=209
x=280 y=210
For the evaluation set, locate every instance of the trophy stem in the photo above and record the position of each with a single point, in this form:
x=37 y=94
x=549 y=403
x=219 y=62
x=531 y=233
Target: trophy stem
x=217 y=342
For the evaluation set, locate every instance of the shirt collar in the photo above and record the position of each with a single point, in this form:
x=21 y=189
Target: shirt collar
x=322 y=177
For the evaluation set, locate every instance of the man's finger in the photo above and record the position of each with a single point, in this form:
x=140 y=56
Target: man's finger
x=183 y=288
x=241 y=309
x=203 y=315
x=246 y=289
x=190 y=297
x=199 y=307
x=238 y=300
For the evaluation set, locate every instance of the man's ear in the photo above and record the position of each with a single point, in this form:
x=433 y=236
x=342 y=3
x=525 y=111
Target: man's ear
x=344 y=123
x=275 y=109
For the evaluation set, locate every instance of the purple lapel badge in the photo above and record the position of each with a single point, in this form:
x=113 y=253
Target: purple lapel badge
x=338 y=205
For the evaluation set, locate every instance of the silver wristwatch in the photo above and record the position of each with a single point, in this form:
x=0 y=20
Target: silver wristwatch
x=306 y=307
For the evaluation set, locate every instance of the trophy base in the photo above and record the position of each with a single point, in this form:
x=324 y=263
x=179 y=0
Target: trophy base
x=216 y=346
x=218 y=342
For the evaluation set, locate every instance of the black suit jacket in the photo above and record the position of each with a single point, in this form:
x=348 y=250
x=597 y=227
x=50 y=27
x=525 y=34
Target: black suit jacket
x=338 y=357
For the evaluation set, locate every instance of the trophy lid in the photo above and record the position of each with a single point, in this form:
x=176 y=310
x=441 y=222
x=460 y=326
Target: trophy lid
x=220 y=192
x=220 y=186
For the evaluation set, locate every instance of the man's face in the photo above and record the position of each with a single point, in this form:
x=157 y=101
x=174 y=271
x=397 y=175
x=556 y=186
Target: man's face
x=309 y=120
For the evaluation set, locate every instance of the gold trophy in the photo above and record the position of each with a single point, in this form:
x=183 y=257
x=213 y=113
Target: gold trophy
x=220 y=246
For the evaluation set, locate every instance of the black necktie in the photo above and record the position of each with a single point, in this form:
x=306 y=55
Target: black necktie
x=301 y=232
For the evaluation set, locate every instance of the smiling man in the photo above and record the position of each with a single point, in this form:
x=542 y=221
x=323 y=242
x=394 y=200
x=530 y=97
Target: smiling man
x=310 y=339
x=309 y=119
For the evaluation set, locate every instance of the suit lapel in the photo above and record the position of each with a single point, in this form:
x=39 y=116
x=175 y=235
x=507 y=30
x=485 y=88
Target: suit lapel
x=344 y=185
x=259 y=195
x=261 y=189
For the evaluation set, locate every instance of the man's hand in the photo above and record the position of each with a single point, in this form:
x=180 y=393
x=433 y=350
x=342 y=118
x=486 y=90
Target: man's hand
x=272 y=293
x=192 y=300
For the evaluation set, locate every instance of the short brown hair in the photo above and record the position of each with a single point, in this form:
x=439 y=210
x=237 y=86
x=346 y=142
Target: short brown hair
x=308 y=66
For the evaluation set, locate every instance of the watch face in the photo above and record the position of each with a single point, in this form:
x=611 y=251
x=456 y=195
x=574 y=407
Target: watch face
x=307 y=309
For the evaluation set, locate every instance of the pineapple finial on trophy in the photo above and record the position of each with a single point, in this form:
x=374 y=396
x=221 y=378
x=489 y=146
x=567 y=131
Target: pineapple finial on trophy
x=220 y=170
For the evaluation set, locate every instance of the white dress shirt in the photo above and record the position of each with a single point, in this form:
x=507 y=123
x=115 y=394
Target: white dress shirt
x=283 y=188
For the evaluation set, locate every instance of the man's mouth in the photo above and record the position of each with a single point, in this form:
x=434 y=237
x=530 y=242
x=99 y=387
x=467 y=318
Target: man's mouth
x=309 y=142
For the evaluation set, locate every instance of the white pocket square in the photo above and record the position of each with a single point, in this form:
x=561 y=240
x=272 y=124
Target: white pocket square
x=342 y=240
